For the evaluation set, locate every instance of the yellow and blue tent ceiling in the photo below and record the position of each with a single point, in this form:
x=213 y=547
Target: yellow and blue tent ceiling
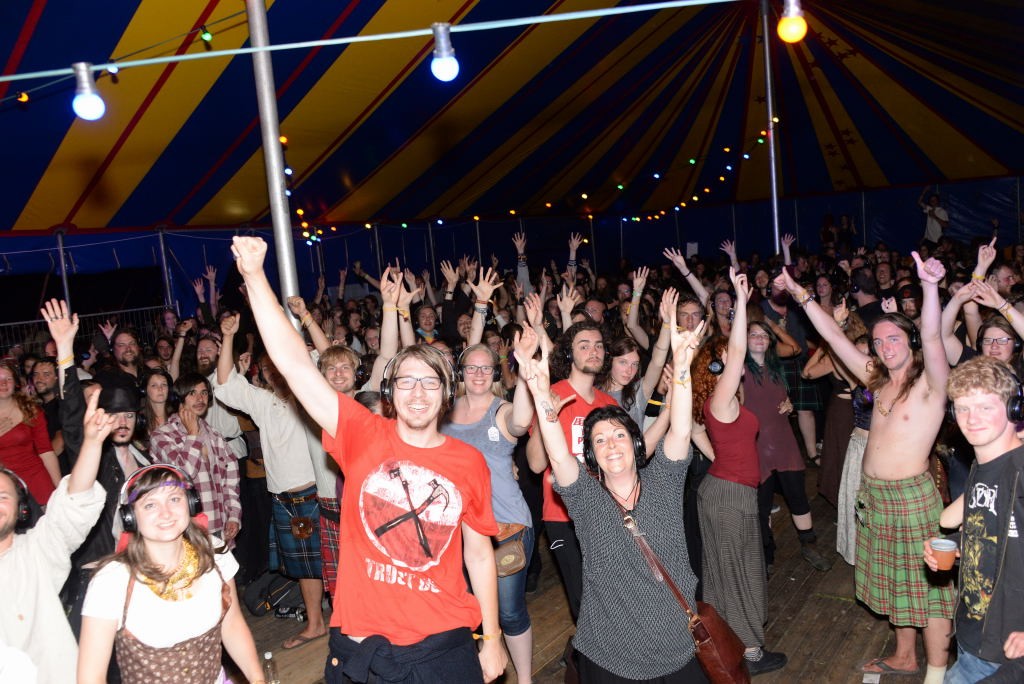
x=638 y=112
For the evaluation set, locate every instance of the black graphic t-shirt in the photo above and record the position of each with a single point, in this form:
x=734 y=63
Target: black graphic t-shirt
x=979 y=546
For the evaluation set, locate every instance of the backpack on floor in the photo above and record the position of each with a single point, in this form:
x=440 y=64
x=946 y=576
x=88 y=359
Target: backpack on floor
x=271 y=591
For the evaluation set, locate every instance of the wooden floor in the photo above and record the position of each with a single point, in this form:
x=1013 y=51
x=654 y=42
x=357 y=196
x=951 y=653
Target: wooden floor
x=812 y=617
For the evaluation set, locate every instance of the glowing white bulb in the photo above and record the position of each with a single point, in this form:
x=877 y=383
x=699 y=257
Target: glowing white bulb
x=444 y=66
x=87 y=103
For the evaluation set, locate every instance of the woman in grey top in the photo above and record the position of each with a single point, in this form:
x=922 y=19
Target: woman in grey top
x=630 y=628
x=483 y=420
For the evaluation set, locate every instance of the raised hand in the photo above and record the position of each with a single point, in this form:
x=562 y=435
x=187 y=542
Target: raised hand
x=63 y=325
x=357 y=268
x=740 y=285
x=425 y=274
x=321 y=284
x=390 y=287
x=342 y=274
x=575 y=240
x=845 y=265
x=785 y=281
x=249 y=254
x=986 y=255
x=519 y=240
x=97 y=423
x=184 y=327
x=494 y=261
x=405 y=297
x=566 y=300
x=107 y=328
x=788 y=240
x=534 y=312
x=297 y=305
x=729 y=247
x=410 y=277
x=526 y=343
x=244 y=362
x=931 y=271
x=840 y=312
x=669 y=304
x=199 y=287
x=229 y=325
x=985 y=294
x=211 y=274
x=676 y=257
x=585 y=264
x=485 y=286
x=640 y=278
x=451 y=276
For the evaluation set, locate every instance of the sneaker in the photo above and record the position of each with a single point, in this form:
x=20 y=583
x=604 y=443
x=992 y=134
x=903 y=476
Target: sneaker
x=770 y=662
x=775 y=508
x=814 y=557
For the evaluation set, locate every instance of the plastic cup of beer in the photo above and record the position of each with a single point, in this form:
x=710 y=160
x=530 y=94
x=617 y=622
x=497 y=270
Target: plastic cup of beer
x=944 y=551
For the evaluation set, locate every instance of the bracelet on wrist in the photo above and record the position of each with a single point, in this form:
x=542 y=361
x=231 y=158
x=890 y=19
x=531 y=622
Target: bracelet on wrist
x=686 y=275
x=487 y=637
x=804 y=298
x=637 y=294
x=975 y=276
x=66 y=361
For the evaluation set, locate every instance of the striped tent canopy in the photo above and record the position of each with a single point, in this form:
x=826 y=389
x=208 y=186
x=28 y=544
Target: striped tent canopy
x=631 y=113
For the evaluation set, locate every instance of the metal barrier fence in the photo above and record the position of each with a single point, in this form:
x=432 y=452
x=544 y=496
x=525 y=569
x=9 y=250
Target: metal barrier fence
x=32 y=335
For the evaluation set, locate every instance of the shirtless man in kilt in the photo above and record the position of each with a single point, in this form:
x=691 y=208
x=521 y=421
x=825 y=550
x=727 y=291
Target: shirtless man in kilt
x=898 y=506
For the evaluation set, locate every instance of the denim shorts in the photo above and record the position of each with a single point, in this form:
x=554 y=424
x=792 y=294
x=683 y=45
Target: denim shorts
x=512 y=614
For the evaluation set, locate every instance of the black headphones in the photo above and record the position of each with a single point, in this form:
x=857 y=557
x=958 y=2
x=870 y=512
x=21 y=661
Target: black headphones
x=128 y=521
x=21 y=489
x=362 y=375
x=636 y=436
x=460 y=374
x=1014 y=405
x=387 y=384
x=913 y=338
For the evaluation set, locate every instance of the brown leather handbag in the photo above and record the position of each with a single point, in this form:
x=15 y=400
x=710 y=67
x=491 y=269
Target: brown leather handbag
x=719 y=650
x=509 y=552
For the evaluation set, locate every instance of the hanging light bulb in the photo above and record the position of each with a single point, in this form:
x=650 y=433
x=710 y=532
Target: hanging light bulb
x=444 y=66
x=113 y=69
x=87 y=104
x=22 y=97
x=205 y=35
x=792 y=25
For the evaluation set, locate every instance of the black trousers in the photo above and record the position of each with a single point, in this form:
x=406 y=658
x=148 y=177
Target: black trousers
x=565 y=547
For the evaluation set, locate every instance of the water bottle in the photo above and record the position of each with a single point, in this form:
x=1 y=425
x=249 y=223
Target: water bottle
x=270 y=669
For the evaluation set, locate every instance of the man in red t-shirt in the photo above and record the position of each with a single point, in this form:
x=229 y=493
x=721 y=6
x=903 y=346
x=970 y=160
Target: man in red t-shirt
x=416 y=506
x=579 y=357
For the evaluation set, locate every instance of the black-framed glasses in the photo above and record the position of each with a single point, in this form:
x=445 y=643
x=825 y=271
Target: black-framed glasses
x=407 y=382
x=998 y=341
x=486 y=370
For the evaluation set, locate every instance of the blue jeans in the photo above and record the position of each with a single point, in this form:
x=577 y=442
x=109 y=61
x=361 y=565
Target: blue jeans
x=512 y=614
x=968 y=668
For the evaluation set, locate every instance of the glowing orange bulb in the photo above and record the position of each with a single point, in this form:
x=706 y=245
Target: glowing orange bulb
x=304 y=224
x=22 y=97
x=476 y=218
x=319 y=231
x=283 y=139
x=682 y=204
x=512 y=211
x=590 y=216
x=721 y=178
x=334 y=229
x=547 y=204
x=792 y=29
x=726 y=149
x=764 y=132
x=707 y=189
x=300 y=212
x=662 y=212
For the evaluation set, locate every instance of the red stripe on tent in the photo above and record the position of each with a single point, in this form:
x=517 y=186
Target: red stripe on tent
x=20 y=45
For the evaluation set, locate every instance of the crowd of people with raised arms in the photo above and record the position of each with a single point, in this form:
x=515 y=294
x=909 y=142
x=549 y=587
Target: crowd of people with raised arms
x=403 y=453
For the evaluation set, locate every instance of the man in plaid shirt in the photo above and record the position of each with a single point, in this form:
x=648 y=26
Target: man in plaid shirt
x=188 y=442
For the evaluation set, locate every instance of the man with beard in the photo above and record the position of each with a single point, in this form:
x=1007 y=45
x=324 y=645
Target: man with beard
x=188 y=442
x=124 y=345
x=579 y=357
x=119 y=458
x=898 y=506
x=218 y=416
x=44 y=379
x=417 y=513
x=886 y=285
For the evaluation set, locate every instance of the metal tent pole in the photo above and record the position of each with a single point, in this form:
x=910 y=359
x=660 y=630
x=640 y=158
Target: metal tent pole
x=773 y=180
x=64 y=268
x=273 y=156
x=168 y=298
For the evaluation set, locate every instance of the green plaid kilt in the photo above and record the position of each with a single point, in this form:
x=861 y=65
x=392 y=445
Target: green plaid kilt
x=894 y=518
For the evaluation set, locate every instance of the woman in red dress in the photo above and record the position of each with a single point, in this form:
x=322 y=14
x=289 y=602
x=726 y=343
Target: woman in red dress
x=24 y=445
